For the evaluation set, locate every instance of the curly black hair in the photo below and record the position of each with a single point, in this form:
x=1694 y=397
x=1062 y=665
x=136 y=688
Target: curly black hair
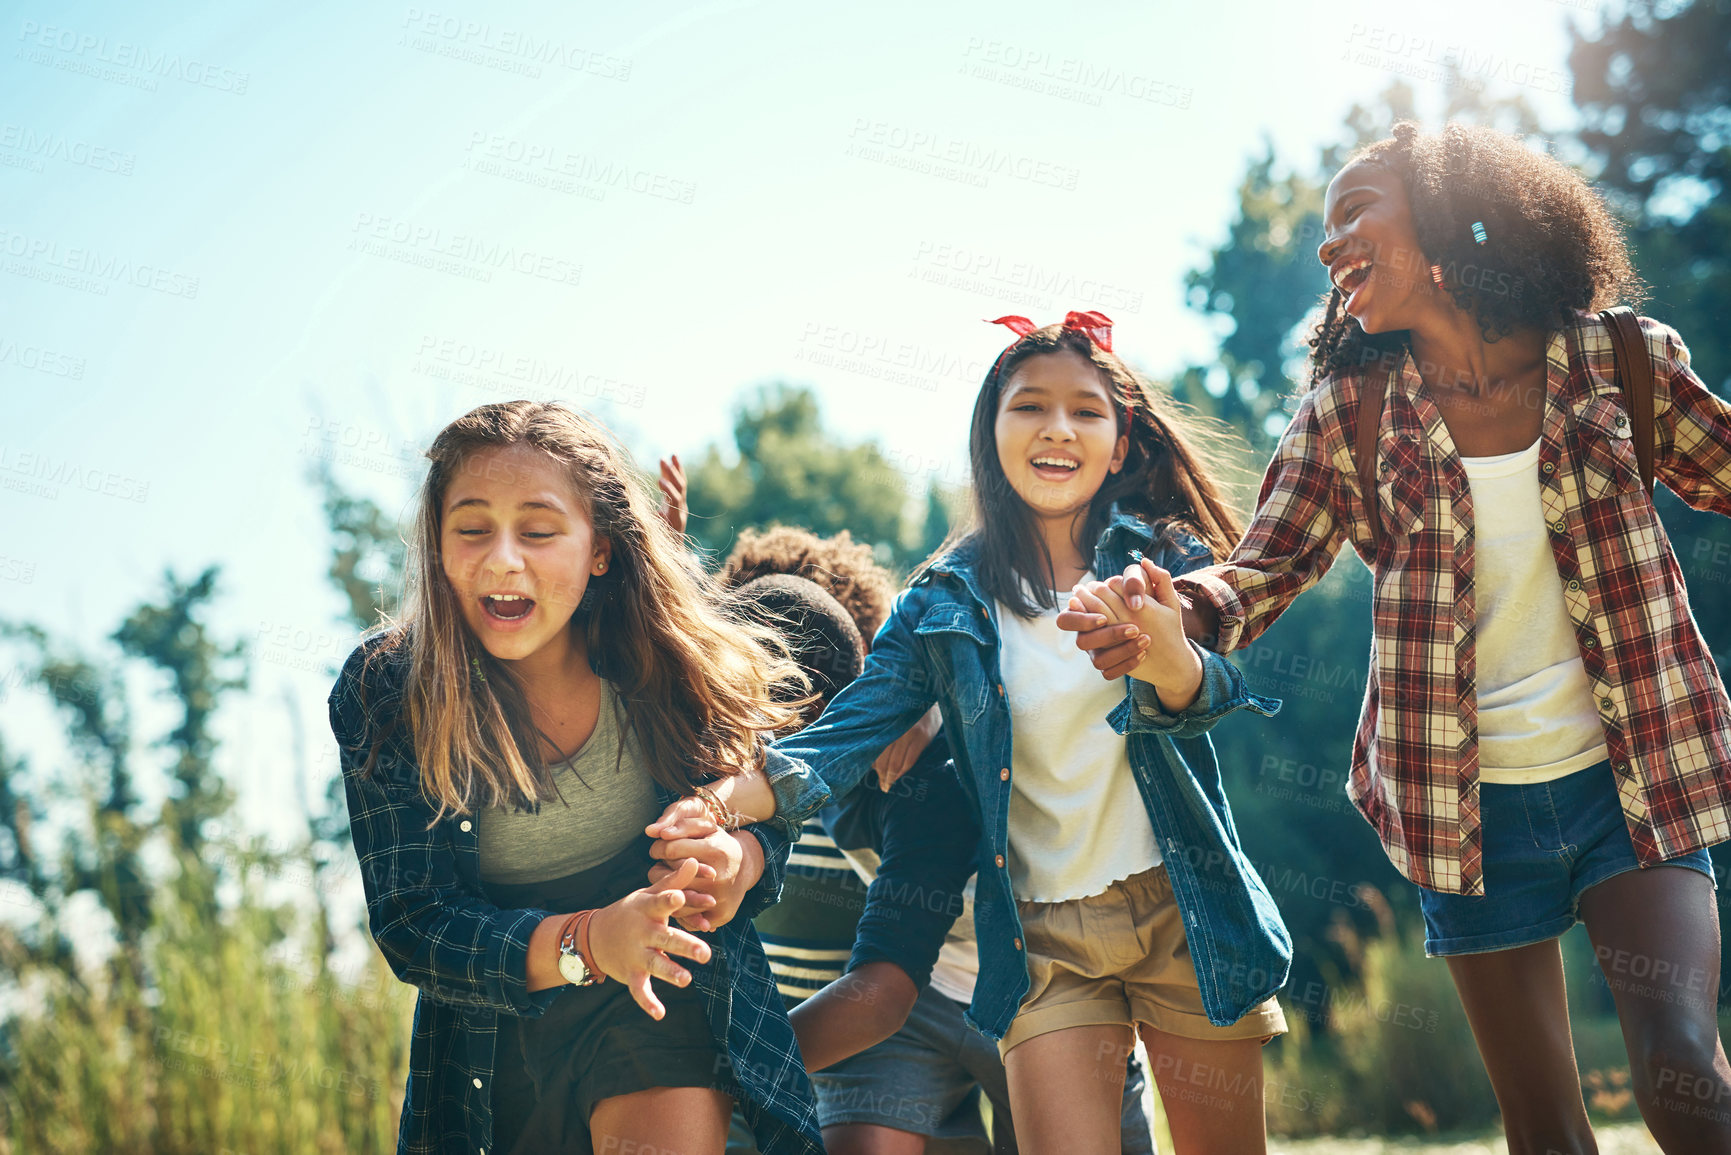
x=1552 y=246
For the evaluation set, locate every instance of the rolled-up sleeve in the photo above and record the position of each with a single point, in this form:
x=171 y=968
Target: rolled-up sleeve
x=1291 y=543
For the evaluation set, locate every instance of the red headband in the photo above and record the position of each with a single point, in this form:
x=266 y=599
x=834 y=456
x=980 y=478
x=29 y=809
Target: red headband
x=1096 y=326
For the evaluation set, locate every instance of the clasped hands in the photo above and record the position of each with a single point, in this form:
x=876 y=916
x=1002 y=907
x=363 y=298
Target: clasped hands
x=1133 y=624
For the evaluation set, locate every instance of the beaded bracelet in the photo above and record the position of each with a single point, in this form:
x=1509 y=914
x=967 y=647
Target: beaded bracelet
x=719 y=812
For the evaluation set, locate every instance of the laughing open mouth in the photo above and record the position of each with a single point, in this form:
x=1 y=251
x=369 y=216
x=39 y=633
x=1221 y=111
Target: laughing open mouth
x=1351 y=274
x=507 y=607
x=1055 y=466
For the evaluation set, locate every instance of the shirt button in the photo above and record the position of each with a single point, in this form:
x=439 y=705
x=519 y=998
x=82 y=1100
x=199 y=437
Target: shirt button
x=1018 y=943
x=1004 y=774
x=477 y=1084
x=1549 y=467
x=1000 y=689
x=1574 y=585
x=1589 y=642
x=1559 y=525
x=999 y=860
x=465 y=826
x=1620 y=767
x=1607 y=703
x=983 y=612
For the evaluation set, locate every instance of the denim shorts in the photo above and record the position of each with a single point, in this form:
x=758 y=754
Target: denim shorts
x=927 y=1079
x=1544 y=845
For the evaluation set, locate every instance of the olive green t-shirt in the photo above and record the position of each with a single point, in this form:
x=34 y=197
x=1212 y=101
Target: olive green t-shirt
x=606 y=798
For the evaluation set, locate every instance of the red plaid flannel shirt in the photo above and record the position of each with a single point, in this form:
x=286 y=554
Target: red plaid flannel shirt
x=1415 y=758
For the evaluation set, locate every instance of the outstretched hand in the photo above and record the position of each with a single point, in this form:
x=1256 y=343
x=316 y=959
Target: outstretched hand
x=631 y=940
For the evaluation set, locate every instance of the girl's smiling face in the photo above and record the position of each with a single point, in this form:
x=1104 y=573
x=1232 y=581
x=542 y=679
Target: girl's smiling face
x=1057 y=433
x=1372 y=251
x=518 y=549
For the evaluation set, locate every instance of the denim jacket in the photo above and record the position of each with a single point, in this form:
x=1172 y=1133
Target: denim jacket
x=431 y=919
x=941 y=644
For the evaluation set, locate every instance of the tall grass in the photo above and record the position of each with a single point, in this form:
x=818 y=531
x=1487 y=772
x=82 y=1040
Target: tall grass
x=228 y=1032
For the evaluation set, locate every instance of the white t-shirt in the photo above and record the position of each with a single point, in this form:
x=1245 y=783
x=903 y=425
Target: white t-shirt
x=1536 y=715
x=1077 y=821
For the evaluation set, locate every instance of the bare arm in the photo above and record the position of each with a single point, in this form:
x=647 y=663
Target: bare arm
x=859 y=1010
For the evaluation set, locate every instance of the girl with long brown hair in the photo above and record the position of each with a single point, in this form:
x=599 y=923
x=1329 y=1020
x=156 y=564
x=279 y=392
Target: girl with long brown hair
x=562 y=670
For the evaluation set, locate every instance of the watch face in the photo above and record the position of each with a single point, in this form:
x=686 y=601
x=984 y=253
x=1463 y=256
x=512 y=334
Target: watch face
x=571 y=968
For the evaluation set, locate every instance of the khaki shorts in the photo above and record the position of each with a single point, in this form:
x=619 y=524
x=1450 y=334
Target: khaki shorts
x=1119 y=957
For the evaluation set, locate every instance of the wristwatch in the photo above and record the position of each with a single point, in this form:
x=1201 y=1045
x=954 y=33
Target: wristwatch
x=574 y=965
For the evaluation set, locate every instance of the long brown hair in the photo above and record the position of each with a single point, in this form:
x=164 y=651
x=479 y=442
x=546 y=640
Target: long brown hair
x=1166 y=480
x=697 y=681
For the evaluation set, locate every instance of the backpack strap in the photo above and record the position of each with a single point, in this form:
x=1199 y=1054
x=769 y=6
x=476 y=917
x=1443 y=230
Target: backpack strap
x=1364 y=454
x=1635 y=376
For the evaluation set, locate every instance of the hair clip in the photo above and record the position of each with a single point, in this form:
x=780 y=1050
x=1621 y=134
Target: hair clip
x=475 y=666
x=1436 y=273
x=1479 y=231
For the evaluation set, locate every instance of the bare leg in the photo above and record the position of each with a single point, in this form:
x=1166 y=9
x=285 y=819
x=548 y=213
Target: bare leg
x=1067 y=1089
x=1518 y=1006
x=686 y=1120
x=871 y=1139
x=1656 y=935
x=1212 y=1092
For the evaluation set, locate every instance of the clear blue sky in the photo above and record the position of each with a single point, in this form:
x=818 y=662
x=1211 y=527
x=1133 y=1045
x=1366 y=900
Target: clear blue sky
x=235 y=238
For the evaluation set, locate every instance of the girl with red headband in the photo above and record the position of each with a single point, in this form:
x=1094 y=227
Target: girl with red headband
x=1112 y=895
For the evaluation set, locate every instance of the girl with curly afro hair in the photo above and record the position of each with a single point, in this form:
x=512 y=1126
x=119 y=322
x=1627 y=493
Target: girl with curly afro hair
x=1545 y=738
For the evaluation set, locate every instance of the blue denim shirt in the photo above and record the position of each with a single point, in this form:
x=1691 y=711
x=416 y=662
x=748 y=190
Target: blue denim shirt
x=941 y=645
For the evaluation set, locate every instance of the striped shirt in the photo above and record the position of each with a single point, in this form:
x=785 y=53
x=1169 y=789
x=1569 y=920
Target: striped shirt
x=808 y=936
x=1415 y=759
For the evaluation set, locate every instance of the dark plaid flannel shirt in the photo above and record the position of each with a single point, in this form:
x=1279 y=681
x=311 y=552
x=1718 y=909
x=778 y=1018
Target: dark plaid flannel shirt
x=1415 y=760
x=427 y=913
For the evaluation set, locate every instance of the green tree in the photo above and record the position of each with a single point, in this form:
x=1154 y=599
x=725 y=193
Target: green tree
x=171 y=635
x=788 y=470
x=1654 y=93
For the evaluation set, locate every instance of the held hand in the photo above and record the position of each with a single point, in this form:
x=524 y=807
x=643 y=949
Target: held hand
x=899 y=756
x=1169 y=663
x=631 y=940
x=1113 y=642
x=673 y=510
x=729 y=865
